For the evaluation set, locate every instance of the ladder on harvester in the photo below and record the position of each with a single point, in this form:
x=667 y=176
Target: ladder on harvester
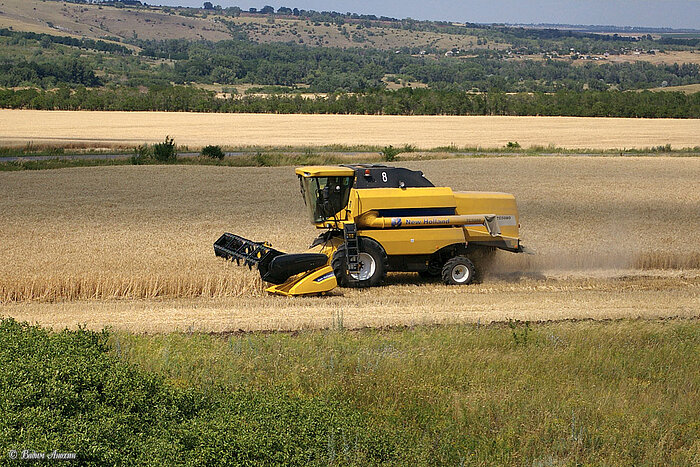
x=352 y=248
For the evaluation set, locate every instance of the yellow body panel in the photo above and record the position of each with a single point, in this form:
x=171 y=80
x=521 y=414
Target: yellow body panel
x=423 y=241
x=313 y=282
x=399 y=198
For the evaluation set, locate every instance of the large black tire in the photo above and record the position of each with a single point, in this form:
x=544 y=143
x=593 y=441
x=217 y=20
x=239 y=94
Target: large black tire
x=458 y=271
x=377 y=256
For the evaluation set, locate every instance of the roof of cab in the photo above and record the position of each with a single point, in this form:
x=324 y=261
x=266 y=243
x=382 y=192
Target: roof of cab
x=324 y=171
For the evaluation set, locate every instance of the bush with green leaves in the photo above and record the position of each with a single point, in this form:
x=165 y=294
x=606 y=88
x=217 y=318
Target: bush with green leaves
x=215 y=152
x=261 y=160
x=389 y=153
x=141 y=154
x=165 y=151
x=65 y=392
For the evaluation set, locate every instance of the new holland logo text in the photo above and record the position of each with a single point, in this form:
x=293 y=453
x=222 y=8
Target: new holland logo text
x=322 y=278
x=397 y=221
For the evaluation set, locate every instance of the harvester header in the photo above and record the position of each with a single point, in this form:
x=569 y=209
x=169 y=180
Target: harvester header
x=379 y=219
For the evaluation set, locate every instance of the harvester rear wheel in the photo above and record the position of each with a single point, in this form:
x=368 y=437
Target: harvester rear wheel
x=373 y=265
x=458 y=271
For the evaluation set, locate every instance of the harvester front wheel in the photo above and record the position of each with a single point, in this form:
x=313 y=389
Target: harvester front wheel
x=373 y=265
x=458 y=271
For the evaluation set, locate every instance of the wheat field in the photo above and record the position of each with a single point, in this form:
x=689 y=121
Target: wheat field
x=131 y=246
x=19 y=127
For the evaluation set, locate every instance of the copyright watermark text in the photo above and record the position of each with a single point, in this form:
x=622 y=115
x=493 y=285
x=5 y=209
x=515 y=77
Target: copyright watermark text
x=29 y=455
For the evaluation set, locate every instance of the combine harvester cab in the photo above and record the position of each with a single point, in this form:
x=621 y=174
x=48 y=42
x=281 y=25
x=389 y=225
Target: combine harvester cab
x=379 y=219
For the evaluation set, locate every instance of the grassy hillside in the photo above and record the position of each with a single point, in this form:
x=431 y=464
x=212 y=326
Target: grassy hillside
x=326 y=29
x=326 y=34
x=102 y=22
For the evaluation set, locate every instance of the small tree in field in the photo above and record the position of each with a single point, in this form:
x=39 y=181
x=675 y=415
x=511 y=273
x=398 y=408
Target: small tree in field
x=389 y=153
x=214 y=152
x=165 y=151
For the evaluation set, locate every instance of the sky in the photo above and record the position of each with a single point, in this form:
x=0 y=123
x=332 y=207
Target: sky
x=649 y=13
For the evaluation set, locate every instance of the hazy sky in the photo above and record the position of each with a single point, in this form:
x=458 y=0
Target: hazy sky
x=655 y=13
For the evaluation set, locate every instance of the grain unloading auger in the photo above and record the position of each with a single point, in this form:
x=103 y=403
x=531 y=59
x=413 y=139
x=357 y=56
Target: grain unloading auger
x=379 y=219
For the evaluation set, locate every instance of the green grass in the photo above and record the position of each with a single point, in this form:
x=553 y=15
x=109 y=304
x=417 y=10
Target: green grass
x=264 y=156
x=259 y=159
x=593 y=393
x=31 y=149
x=13 y=166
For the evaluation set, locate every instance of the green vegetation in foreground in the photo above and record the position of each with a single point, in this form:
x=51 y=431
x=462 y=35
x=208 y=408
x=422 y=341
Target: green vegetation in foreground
x=335 y=154
x=65 y=392
x=571 y=393
x=568 y=393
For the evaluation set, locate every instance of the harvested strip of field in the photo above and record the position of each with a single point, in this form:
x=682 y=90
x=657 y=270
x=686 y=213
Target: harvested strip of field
x=404 y=302
x=201 y=129
x=131 y=246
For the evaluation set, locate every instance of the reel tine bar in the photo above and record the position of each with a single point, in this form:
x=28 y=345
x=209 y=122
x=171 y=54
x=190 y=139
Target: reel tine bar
x=234 y=247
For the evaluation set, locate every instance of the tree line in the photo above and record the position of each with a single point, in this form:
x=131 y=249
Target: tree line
x=48 y=73
x=320 y=69
x=376 y=102
x=83 y=43
x=327 y=69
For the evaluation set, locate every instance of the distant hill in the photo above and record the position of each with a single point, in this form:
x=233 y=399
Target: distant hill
x=105 y=22
x=123 y=22
x=131 y=21
x=605 y=29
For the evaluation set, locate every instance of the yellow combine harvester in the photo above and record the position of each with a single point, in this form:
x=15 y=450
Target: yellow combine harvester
x=379 y=219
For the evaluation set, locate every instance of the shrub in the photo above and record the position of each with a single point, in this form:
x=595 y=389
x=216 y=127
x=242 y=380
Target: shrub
x=214 y=152
x=61 y=151
x=261 y=160
x=513 y=145
x=666 y=148
x=136 y=159
x=141 y=154
x=389 y=153
x=165 y=151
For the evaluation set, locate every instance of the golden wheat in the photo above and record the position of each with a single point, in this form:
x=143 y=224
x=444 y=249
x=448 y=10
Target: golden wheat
x=201 y=129
x=53 y=288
